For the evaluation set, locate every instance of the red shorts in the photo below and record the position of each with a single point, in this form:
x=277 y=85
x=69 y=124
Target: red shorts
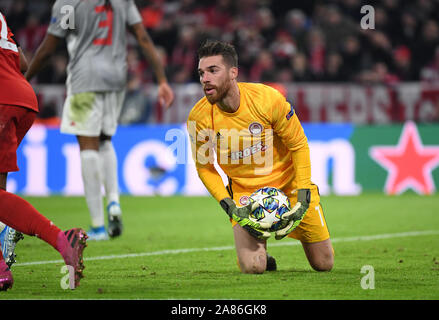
x=15 y=122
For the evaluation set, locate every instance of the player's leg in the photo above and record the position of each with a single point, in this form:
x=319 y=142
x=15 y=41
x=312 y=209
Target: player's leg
x=319 y=254
x=113 y=102
x=82 y=116
x=15 y=122
x=313 y=233
x=6 y=278
x=11 y=136
x=9 y=238
x=108 y=159
x=251 y=252
x=20 y=214
x=91 y=177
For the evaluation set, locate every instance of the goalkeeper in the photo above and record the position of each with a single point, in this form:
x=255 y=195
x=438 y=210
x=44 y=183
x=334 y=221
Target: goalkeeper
x=258 y=141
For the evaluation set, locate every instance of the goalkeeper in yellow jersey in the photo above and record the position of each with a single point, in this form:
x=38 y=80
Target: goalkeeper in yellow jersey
x=254 y=135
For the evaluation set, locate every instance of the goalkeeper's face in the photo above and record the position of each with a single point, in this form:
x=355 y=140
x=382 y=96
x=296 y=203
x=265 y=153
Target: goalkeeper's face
x=216 y=77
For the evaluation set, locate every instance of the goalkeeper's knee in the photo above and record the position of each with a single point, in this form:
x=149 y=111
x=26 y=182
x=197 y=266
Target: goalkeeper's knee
x=255 y=264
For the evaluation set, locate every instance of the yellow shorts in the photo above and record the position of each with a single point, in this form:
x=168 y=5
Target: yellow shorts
x=313 y=227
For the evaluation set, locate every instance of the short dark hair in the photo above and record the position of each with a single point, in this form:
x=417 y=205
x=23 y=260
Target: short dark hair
x=219 y=48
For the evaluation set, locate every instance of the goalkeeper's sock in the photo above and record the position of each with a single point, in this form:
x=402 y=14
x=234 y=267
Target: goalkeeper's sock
x=20 y=215
x=271 y=263
x=108 y=159
x=90 y=166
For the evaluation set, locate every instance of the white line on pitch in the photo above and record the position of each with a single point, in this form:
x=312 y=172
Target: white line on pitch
x=277 y=244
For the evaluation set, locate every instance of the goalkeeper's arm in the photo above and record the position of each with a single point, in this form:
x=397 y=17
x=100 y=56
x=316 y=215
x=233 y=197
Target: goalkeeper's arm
x=302 y=165
x=212 y=181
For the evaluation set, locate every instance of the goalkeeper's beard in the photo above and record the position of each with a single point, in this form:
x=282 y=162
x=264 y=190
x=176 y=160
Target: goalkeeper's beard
x=221 y=92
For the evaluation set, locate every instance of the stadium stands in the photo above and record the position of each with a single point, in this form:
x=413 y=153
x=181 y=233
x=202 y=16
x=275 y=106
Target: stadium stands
x=278 y=41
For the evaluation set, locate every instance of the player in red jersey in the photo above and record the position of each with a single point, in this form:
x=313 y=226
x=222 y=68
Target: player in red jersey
x=18 y=109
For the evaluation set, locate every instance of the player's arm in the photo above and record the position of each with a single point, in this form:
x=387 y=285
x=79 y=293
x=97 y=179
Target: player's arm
x=165 y=94
x=287 y=126
x=55 y=32
x=202 y=154
x=23 y=61
x=44 y=52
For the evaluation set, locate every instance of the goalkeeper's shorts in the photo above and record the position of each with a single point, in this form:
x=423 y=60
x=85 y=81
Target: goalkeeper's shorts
x=313 y=227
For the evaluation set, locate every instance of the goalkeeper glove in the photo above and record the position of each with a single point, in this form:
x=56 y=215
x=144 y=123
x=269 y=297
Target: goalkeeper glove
x=292 y=218
x=242 y=217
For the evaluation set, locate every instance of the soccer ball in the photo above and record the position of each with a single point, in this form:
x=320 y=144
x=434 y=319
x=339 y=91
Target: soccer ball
x=273 y=203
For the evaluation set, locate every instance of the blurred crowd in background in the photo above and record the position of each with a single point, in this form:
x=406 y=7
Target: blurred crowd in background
x=277 y=41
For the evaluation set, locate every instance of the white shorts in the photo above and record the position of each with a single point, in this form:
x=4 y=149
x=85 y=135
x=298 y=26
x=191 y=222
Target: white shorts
x=92 y=113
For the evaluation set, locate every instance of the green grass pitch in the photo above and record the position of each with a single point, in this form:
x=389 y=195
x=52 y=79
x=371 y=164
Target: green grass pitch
x=182 y=248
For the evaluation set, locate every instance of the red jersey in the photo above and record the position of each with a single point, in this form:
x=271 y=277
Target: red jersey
x=14 y=88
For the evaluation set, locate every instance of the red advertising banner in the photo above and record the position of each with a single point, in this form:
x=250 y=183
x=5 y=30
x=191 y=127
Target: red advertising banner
x=365 y=104
x=336 y=103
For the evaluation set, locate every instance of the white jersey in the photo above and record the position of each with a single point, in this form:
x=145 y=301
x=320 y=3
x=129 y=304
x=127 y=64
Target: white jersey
x=95 y=32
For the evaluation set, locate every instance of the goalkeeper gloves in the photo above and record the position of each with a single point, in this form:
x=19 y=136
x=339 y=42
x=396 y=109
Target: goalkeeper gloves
x=292 y=218
x=242 y=217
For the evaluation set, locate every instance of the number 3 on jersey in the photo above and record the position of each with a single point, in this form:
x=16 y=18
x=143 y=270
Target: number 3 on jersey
x=4 y=41
x=107 y=23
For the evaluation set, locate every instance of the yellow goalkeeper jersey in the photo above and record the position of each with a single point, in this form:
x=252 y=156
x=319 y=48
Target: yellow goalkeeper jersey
x=261 y=144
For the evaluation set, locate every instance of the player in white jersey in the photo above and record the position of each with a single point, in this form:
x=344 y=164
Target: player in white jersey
x=95 y=32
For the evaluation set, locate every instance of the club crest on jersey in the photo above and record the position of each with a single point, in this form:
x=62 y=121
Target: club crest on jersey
x=291 y=113
x=255 y=128
x=243 y=201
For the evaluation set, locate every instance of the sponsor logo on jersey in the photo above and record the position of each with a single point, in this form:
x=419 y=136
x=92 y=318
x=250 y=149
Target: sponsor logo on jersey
x=247 y=152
